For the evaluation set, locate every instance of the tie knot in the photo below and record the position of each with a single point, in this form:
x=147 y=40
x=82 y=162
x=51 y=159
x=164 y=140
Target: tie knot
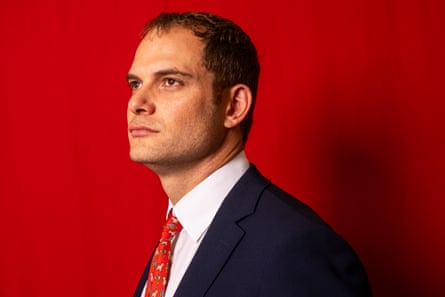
x=171 y=228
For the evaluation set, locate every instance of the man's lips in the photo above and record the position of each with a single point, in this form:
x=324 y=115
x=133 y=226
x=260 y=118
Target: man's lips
x=141 y=130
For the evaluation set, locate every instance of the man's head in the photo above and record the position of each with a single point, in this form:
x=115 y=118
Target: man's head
x=228 y=51
x=193 y=80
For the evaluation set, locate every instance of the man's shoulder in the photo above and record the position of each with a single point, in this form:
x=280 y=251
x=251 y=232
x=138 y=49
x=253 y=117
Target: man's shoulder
x=271 y=196
x=272 y=203
x=280 y=209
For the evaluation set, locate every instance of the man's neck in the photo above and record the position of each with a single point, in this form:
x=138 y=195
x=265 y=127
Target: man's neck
x=179 y=181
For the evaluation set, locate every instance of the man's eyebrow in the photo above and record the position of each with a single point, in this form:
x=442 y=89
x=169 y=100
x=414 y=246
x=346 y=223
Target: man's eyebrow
x=131 y=76
x=171 y=71
x=162 y=72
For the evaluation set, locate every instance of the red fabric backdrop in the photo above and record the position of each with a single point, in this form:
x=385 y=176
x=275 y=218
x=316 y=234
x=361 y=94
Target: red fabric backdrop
x=349 y=119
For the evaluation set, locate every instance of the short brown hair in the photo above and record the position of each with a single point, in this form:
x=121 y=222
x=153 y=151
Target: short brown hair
x=229 y=52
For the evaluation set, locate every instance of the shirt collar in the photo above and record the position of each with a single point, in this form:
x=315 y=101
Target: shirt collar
x=198 y=207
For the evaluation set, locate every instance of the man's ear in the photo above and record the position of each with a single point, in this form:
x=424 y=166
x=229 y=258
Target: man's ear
x=238 y=106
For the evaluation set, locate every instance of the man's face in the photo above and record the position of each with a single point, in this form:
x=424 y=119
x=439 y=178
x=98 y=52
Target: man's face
x=173 y=120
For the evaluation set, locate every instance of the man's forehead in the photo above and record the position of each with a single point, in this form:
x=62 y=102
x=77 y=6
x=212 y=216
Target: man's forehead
x=159 y=32
x=174 y=49
x=175 y=43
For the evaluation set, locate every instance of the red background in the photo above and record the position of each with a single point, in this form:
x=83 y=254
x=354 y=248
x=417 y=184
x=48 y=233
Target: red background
x=349 y=119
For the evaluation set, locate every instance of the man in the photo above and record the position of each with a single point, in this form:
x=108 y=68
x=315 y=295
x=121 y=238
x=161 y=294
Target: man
x=194 y=81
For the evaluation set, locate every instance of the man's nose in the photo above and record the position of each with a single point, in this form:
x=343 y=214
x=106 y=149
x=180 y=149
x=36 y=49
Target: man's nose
x=140 y=103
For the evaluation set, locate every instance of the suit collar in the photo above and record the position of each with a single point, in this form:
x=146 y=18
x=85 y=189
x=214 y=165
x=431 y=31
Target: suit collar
x=223 y=235
x=198 y=207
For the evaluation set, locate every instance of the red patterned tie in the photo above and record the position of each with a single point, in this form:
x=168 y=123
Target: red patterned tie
x=160 y=264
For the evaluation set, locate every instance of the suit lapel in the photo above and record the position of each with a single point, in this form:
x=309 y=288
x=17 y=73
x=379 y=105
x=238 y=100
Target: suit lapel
x=222 y=236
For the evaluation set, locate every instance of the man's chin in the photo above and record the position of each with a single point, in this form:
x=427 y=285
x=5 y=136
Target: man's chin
x=144 y=158
x=139 y=158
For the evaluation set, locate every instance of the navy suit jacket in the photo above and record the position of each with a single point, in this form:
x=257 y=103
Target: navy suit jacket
x=264 y=242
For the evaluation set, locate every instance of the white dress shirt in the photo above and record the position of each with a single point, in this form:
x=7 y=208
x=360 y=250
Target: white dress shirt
x=195 y=211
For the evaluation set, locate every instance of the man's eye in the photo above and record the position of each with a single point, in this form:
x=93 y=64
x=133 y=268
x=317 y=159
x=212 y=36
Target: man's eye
x=134 y=85
x=170 y=82
x=173 y=83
